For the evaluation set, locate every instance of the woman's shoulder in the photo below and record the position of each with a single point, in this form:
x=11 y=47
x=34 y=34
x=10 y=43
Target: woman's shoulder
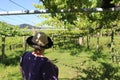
x=26 y=53
x=45 y=59
x=48 y=62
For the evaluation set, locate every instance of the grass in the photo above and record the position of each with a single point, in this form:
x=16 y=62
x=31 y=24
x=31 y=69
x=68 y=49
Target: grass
x=74 y=63
x=62 y=58
x=10 y=73
x=10 y=70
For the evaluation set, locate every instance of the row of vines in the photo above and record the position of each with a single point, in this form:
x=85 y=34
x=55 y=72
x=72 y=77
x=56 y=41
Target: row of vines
x=66 y=39
x=76 y=40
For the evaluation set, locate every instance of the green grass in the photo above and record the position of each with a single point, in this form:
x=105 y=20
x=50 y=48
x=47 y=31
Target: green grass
x=71 y=67
x=10 y=73
x=62 y=58
x=73 y=62
x=10 y=70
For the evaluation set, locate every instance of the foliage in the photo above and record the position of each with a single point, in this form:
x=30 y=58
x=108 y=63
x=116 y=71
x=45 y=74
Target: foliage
x=90 y=21
x=7 y=29
x=72 y=67
x=12 y=30
x=52 y=22
x=76 y=60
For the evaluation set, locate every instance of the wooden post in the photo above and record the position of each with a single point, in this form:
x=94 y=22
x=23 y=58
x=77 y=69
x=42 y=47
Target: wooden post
x=98 y=36
x=81 y=41
x=24 y=43
x=112 y=41
x=88 y=42
x=3 y=49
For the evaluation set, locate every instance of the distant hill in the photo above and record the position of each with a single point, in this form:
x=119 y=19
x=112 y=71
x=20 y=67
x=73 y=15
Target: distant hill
x=31 y=26
x=27 y=26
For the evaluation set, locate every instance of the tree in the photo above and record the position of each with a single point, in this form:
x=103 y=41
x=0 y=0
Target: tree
x=73 y=5
x=107 y=4
x=67 y=5
x=5 y=31
x=92 y=21
x=49 y=21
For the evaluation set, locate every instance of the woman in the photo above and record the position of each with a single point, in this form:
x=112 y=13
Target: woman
x=34 y=65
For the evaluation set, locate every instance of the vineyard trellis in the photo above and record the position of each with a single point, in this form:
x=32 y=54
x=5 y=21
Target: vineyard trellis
x=23 y=12
x=64 y=40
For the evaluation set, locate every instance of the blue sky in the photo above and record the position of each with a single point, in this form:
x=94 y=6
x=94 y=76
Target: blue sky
x=8 y=5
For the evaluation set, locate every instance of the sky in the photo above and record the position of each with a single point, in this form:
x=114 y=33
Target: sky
x=9 y=5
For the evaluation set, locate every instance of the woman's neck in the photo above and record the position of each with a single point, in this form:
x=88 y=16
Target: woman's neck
x=38 y=53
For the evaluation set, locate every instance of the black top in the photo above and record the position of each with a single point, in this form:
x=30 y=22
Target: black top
x=37 y=68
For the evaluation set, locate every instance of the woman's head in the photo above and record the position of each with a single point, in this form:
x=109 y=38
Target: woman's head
x=40 y=41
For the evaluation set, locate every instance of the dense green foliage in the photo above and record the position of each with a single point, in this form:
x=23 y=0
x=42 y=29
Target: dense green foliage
x=87 y=22
x=74 y=61
x=7 y=29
